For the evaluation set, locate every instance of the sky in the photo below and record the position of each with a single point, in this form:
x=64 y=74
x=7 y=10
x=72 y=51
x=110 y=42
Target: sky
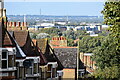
x=55 y=8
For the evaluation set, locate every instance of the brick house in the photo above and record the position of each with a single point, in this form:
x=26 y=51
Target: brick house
x=7 y=49
x=54 y=66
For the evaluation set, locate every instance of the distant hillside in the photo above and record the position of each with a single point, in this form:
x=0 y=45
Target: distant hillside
x=36 y=18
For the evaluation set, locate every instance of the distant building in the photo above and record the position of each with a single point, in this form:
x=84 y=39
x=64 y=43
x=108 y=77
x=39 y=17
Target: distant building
x=62 y=28
x=45 y=24
x=61 y=22
x=79 y=28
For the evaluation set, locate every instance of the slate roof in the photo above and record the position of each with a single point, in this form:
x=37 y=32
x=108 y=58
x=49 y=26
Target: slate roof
x=67 y=56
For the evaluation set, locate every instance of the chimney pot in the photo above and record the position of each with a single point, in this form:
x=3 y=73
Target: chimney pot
x=18 y=24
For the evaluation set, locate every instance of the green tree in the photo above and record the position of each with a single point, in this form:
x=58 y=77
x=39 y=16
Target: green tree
x=88 y=44
x=107 y=56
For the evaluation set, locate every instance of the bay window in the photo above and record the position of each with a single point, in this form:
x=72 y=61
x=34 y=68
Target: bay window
x=7 y=59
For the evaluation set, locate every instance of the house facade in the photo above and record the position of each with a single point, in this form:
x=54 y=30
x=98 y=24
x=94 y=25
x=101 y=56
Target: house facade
x=68 y=58
x=88 y=62
x=7 y=49
x=54 y=66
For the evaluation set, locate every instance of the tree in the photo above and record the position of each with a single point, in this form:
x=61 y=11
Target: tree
x=42 y=35
x=107 y=56
x=88 y=44
x=111 y=14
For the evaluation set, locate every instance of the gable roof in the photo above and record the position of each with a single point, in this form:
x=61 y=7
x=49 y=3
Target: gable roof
x=19 y=52
x=48 y=52
x=43 y=60
x=5 y=38
x=42 y=44
x=21 y=37
x=67 y=56
x=24 y=41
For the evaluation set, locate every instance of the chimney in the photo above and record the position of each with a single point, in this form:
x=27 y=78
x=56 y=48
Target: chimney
x=22 y=24
x=10 y=24
x=53 y=38
x=14 y=24
x=25 y=24
x=18 y=24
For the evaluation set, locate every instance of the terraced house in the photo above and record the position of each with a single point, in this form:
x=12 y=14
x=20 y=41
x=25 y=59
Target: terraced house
x=23 y=58
x=7 y=50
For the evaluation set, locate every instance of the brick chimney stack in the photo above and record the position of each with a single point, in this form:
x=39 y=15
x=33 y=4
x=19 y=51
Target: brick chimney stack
x=25 y=24
x=14 y=24
x=22 y=24
x=10 y=24
x=18 y=24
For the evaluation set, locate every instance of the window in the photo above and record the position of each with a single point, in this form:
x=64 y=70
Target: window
x=29 y=67
x=4 y=59
x=4 y=64
x=49 y=71
x=29 y=70
x=35 y=68
x=4 y=55
x=21 y=72
x=10 y=61
x=7 y=60
x=54 y=72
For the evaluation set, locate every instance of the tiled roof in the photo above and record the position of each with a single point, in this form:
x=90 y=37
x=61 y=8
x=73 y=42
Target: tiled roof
x=5 y=37
x=45 y=48
x=67 y=56
x=21 y=37
x=42 y=44
x=24 y=41
x=48 y=52
x=43 y=60
x=19 y=52
x=35 y=42
x=7 y=40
